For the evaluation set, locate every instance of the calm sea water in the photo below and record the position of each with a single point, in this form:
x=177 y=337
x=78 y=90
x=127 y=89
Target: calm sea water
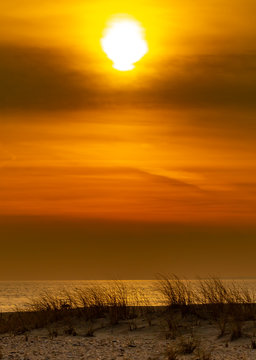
x=18 y=293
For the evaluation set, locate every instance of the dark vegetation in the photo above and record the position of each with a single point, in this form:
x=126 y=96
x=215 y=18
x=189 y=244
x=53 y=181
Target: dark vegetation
x=225 y=304
x=113 y=304
x=212 y=301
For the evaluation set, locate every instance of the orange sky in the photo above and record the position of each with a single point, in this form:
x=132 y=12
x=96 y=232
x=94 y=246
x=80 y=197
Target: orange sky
x=171 y=142
x=136 y=165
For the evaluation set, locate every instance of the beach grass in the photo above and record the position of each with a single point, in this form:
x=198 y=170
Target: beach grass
x=226 y=305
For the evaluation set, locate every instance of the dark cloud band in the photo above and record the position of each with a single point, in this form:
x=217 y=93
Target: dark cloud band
x=38 y=79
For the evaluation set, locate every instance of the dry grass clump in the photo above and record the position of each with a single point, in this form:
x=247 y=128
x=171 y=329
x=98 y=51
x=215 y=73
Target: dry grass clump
x=179 y=298
x=117 y=303
x=171 y=353
x=228 y=305
x=14 y=322
x=173 y=327
x=143 y=307
x=236 y=330
x=187 y=345
x=253 y=343
x=177 y=293
x=91 y=302
x=112 y=303
x=214 y=291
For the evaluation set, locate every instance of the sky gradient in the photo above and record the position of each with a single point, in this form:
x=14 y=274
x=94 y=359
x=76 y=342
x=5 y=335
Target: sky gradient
x=108 y=174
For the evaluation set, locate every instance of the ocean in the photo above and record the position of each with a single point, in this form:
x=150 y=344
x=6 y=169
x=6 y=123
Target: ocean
x=17 y=294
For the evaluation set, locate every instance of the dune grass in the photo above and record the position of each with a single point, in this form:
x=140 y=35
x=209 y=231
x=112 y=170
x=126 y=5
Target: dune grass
x=115 y=303
x=225 y=304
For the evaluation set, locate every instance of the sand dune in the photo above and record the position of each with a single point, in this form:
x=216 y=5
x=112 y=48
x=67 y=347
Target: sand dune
x=133 y=340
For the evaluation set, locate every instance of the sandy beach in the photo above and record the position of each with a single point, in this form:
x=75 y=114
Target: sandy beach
x=133 y=340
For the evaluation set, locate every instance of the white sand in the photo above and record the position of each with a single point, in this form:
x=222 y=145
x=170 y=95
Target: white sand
x=118 y=342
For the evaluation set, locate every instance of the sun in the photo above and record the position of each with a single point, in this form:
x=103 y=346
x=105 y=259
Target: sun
x=124 y=43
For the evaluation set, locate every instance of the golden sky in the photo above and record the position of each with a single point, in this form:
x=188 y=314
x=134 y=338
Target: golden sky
x=168 y=144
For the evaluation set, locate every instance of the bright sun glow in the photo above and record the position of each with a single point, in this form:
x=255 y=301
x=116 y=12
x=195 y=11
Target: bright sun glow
x=124 y=43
